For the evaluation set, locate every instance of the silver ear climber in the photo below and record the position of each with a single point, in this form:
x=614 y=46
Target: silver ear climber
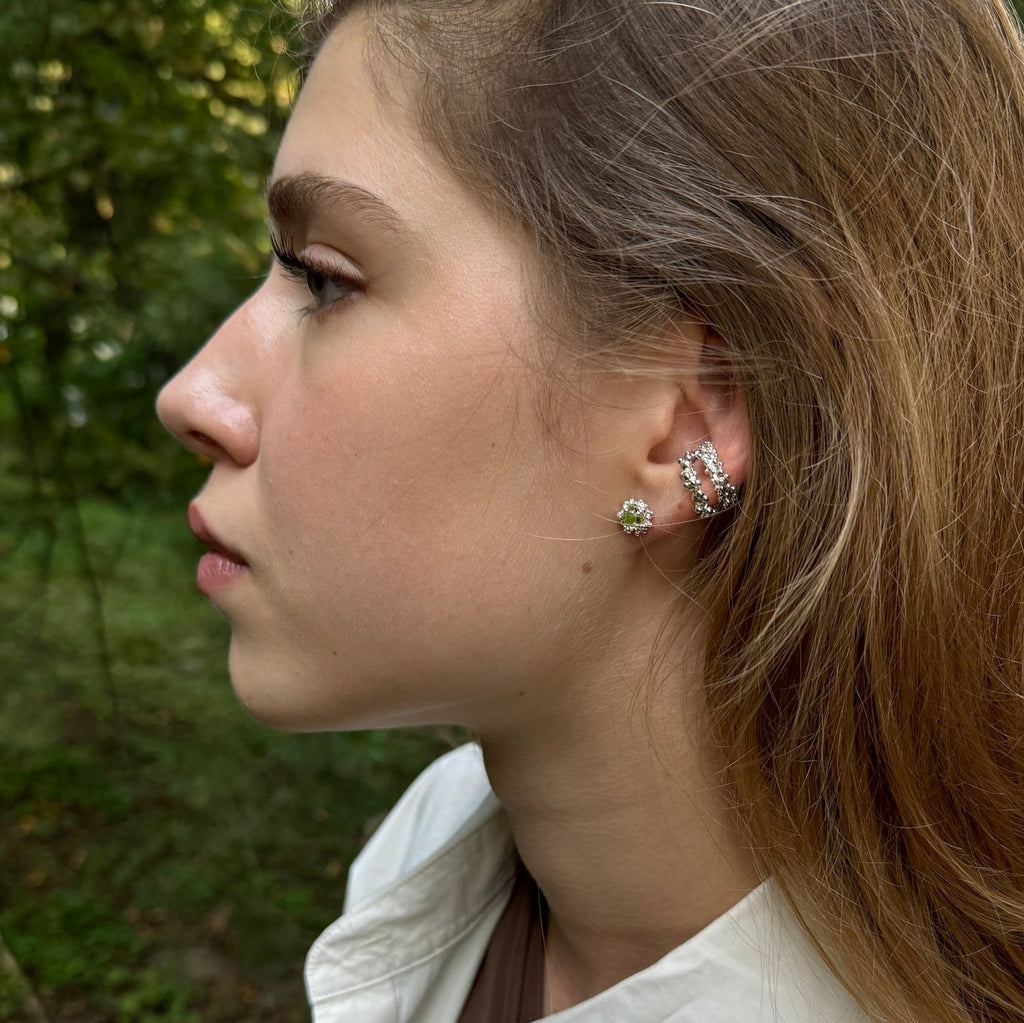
x=724 y=490
x=635 y=517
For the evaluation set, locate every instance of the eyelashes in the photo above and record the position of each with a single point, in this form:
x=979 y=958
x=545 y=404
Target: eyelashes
x=326 y=284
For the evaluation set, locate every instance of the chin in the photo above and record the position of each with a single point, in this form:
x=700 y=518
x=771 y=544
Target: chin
x=268 y=709
x=269 y=693
x=293 y=698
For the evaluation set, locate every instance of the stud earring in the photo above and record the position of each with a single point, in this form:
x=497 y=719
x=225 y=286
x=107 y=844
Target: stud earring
x=635 y=517
x=725 y=492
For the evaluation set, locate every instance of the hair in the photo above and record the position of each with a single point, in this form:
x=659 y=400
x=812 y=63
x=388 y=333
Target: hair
x=836 y=185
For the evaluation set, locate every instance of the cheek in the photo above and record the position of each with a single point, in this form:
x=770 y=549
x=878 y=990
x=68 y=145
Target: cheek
x=378 y=476
x=322 y=483
x=407 y=508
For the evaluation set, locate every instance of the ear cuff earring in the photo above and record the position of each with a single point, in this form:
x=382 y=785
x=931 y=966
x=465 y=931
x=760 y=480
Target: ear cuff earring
x=725 y=492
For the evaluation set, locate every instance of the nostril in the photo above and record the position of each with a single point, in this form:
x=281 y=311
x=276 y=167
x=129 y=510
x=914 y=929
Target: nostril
x=201 y=442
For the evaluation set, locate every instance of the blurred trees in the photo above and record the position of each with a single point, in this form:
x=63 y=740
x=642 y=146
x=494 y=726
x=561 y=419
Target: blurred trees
x=134 y=139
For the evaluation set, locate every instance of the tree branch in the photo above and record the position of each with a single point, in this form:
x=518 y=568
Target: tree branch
x=30 y=1003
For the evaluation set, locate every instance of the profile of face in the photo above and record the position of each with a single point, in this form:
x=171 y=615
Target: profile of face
x=410 y=539
x=412 y=536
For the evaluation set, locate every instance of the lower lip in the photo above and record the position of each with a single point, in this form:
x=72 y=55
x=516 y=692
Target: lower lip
x=217 y=571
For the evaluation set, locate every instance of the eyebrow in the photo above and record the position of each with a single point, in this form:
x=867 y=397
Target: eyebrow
x=296 y=197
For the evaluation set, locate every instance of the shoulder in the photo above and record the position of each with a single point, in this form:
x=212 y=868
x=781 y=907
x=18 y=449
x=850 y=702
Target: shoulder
x=452 y=796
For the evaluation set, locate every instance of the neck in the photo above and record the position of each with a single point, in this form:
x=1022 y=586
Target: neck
x=617 y=816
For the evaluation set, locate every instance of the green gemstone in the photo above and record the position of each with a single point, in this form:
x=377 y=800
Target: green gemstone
x=635 y=517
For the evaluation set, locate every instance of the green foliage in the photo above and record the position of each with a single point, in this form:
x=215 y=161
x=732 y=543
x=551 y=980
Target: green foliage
x=134 y=138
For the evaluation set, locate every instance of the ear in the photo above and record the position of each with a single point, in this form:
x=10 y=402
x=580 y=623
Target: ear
x=698 y=400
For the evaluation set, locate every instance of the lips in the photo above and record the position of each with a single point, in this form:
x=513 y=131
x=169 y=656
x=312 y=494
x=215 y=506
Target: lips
x=206 y=536
x=220 y=568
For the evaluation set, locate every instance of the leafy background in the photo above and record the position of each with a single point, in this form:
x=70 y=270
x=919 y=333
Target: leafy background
x=161 y=856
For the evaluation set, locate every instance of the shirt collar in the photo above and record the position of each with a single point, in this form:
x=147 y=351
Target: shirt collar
x=428 y=930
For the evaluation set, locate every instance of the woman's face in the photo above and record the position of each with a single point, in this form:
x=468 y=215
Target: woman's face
x=414 y=539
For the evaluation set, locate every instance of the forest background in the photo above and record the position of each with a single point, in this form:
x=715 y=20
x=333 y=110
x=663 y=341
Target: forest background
x=162 y=857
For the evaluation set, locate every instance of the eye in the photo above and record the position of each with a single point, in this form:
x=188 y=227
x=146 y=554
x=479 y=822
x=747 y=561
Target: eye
x=327 y=288
x=327 y=285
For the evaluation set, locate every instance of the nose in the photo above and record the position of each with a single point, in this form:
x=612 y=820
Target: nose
x=210 y=405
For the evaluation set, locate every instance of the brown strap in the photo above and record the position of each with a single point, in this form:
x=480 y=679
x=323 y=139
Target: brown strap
x=509 y=986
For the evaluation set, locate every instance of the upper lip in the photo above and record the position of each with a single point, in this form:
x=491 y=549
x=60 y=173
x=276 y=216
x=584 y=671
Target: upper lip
x=207 y=536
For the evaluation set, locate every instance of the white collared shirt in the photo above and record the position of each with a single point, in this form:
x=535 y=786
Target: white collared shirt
x=427 y=892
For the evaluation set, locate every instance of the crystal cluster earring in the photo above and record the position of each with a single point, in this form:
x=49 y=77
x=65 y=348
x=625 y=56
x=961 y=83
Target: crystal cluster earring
x=725 y=492
x=635 y=517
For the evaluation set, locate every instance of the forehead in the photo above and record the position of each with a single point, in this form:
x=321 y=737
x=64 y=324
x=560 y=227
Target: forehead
x=345 y=127
x=340 y=126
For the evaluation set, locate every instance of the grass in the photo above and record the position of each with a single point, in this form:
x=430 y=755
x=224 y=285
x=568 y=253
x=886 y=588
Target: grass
x=162 y=856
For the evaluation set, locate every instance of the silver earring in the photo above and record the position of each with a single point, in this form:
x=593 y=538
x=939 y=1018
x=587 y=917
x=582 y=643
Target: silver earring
x=635 y=517
x=724 y=490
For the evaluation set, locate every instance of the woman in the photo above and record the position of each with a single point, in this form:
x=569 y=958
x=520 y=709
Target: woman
x=639 y=384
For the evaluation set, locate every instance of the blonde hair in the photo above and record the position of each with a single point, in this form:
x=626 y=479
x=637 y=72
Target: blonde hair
x=838 y=185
